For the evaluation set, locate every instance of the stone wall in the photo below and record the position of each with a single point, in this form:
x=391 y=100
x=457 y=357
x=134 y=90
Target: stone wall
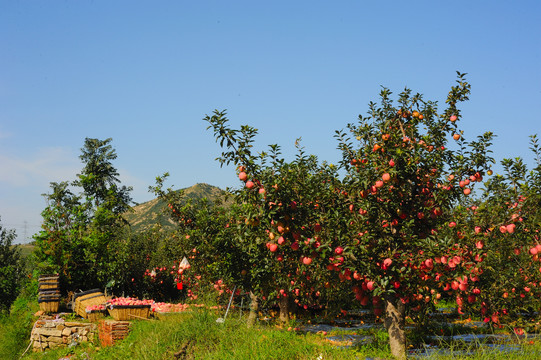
x=49 y=334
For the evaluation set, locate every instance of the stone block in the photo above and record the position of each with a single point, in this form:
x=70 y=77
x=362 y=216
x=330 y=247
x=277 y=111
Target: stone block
x=74 y=324
x=56 y=340
x=49 y=332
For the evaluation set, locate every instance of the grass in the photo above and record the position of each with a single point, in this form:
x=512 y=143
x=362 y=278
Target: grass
x=15 y=328
x=26 y=250
x=197 y=335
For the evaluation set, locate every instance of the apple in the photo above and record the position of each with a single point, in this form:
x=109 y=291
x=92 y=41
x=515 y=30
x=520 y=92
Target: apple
x=510 y=228
x=243 y=176
x=370 y=285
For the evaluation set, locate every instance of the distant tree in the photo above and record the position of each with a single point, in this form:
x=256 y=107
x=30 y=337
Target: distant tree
x=11 y=269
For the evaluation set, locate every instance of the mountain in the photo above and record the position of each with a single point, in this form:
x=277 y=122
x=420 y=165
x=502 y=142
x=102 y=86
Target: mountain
x=146 y=215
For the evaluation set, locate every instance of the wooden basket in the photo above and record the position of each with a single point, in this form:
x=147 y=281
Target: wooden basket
x=87 y=298
x=129 y=312
x=48 y=282
x=49 y=305
x=50 y=277
x=96 y=315
x=47 y=286
x=49 y=292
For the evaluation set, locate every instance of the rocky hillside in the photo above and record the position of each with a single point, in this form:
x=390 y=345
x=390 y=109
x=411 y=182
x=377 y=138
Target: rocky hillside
x=148 y=214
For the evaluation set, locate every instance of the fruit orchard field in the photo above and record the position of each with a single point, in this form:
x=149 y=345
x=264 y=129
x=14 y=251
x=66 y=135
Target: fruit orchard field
x=394 y=228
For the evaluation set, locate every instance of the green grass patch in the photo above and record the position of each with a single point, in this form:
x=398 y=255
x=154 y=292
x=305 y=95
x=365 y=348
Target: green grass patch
x=197 y=335
x=16 y=326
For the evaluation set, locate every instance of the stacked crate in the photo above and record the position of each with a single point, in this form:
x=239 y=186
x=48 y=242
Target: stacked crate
x=112 y=331
x=49 y=293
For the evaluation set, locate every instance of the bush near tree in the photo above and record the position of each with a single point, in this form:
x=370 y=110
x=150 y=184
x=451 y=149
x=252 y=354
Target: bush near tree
x=11 y=269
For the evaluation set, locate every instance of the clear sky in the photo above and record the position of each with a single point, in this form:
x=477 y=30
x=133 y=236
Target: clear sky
x=145 y=73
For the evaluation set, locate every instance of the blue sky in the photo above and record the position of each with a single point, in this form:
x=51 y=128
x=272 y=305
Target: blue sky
x=146 y=73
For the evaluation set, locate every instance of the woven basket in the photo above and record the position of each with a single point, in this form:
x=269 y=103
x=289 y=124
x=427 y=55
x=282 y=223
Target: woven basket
x=48 y=286
x=48 y=282
x=49 y=305
x=87 y=298
x=129 y=312
x=96 y=315
x=49 y=292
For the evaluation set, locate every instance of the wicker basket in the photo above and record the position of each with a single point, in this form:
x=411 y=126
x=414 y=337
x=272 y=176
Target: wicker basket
x=129 y=312
x=87 y=298
x=49 y=304
x=96 y=315
x=48 y=282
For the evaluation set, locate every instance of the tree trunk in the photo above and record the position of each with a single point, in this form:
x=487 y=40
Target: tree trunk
x=254 y=308
x=395 y=320
x=284 y=309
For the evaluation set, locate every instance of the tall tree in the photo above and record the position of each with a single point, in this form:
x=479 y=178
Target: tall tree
x=99 y=178
x=78 y=228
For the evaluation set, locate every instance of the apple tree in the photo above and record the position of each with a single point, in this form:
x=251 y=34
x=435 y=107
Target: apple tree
x=407 y=167
x=294 y=207
x=502 y=228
